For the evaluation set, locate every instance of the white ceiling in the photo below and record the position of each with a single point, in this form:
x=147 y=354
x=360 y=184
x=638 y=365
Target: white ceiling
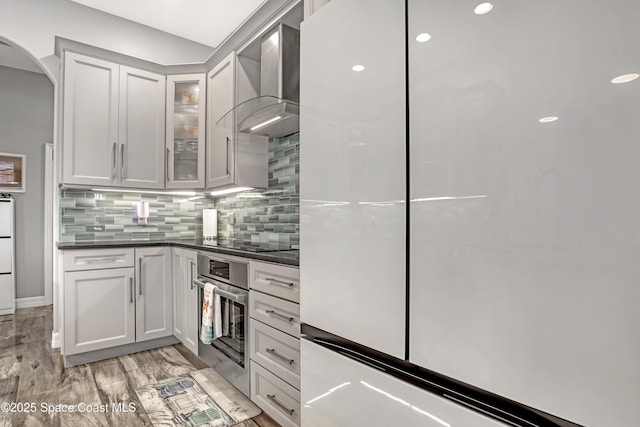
x=14 y=58
x=204 y=21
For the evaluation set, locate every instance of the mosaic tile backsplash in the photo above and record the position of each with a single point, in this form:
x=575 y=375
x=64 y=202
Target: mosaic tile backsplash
x=264 y=218
x=267 y=218
x=92 y=215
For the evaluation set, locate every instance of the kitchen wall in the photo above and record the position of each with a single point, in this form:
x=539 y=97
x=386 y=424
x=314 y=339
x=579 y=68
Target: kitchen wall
x=33 y=25
x=26 y=124
x=110 y=216
x=267 y=218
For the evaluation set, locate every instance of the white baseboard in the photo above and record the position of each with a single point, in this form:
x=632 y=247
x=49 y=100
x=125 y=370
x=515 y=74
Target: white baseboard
x=30 y=302
x=55 y=339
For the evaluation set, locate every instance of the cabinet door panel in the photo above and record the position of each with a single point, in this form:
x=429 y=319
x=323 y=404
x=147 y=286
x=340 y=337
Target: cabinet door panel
x=191 y=312
x=6 y=292
x=90 y=122
x=141 y=153
x=154 y=294
x=6 y=218
x=185 y=303
x=353 y=193
x=6 y=255
x=524 y=281
x=220 y=141
x=185 y=131
x=179 y=293
x=354 y=394
x=99 y=309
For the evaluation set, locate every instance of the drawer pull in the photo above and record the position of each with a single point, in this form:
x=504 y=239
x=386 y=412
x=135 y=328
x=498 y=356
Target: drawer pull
x=140 y=263
x=272 y=397
x=278 y=355
x=191 y=278
x=113 y=171
x=104 y=259
x=279 y=282
x=276 y=314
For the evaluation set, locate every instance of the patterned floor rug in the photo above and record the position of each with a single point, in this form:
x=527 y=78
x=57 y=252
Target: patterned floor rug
x=199 y=398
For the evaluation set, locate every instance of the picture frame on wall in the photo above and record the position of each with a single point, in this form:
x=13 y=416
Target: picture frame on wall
x=13 y=173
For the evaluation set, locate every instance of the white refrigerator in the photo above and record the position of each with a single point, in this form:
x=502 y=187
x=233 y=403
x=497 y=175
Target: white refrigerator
x=7 y=258
x=470 y=211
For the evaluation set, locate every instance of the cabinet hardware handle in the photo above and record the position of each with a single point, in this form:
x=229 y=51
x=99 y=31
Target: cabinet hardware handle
x=240 y=298
x=191 y=273
x=228 y=141
x=140 y=264
x=279 y=282
x=167 y=171
x=122 y=161
x=272 y=397
x=131 y=290
x=276 y=314
x=113 y=170
x=278 y=355
x=105 y=259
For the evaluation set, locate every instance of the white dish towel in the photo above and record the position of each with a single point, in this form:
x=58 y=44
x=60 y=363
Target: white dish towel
x=211 y=315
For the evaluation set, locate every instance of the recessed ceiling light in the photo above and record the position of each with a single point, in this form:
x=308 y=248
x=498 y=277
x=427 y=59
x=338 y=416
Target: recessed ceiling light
x=625 y=78
x=358 y=67
x=423 y=37
x=483 y=8
x=548 y=119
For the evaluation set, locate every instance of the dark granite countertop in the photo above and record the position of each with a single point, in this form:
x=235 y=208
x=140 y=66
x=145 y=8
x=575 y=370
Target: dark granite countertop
x=288 y=257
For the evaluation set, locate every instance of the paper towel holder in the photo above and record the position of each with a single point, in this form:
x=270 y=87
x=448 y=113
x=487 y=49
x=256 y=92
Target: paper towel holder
x=142 y=212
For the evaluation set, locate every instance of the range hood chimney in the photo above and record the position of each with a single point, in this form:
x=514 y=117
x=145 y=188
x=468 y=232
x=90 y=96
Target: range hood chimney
x=275 y=113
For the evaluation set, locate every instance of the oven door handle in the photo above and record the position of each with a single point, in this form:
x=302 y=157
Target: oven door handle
x=239 y=298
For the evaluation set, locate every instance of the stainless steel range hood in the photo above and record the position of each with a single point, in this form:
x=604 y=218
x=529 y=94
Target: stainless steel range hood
x=276 y=112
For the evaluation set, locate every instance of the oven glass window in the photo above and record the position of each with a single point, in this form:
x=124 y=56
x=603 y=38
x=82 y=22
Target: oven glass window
x=231 y=343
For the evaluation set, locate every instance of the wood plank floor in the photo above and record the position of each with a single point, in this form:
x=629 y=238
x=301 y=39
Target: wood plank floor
x=33 y=372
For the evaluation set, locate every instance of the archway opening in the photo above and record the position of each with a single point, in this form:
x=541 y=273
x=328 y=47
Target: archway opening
x=27 y=117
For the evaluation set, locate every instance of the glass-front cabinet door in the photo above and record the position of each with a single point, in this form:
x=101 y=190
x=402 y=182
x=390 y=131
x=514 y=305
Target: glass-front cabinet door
x=185 y=131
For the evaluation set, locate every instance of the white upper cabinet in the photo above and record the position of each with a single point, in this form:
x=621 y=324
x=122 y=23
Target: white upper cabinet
x=142 y=111
x=352 y=222
x=234 y=159
x=90 y=123
x=113 y=124
x=220 y=140
x=186 y=96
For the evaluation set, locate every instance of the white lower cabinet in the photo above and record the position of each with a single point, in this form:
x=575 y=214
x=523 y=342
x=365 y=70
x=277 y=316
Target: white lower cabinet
x=154 y=296
x=185 y=298
x=109 y=307
x=274 y=396
x=276 y=351
x=274 y=344
x=99 y=309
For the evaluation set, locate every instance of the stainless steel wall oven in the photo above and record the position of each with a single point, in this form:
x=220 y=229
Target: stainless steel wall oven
x=228 y=354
